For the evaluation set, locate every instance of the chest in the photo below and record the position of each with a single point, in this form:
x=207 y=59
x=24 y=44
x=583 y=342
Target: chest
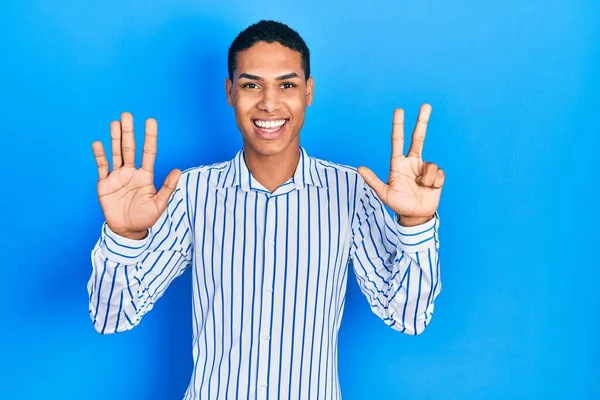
x=248 y=239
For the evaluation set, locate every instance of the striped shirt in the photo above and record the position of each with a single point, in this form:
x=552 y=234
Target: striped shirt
x=269 y=273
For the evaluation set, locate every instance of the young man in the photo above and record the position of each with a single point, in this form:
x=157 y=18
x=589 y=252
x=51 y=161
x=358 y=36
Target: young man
x=268 y=235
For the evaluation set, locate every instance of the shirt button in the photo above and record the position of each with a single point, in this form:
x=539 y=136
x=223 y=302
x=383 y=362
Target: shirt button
x=266 y=337
x=269 y=290
x=272 y=243
x=263 y=385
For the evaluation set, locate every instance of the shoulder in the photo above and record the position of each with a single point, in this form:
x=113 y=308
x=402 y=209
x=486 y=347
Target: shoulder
x=327 y=165
x=339 y=170
x=203 y=171
x=204 y=175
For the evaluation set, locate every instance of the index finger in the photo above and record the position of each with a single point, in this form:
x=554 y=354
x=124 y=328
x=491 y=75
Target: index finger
x=101 y=161
x=149 y=149
x=398 y=133
x=418 y=136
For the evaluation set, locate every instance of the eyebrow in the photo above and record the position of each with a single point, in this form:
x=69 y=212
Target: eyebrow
x=258 y=78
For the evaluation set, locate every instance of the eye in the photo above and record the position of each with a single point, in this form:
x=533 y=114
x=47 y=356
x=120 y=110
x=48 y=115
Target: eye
x=288 y=85
x=249 y=85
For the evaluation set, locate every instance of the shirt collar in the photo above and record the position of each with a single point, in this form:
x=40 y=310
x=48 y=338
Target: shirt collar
x=308 y=172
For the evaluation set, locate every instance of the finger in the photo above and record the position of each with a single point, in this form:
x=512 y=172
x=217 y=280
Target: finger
x=115 y=139
x=398 y=133
x=127 y=140
x=101 y=161
x=149 y=150
x=428 y=175
x=418 y=136
x=439 y=179
x=380 y=188
x=165 y=192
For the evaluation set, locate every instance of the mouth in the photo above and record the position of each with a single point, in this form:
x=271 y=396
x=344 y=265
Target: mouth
x=269 y=129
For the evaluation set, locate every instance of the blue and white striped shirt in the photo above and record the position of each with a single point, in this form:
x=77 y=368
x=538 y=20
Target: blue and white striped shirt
x=269 y=274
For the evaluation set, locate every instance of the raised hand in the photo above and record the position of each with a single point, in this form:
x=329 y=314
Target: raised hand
x=414 y=187
x=127 y=195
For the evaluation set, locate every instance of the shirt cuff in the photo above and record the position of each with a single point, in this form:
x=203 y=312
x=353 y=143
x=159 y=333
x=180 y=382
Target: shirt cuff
x=419 y=237
x=120 y=249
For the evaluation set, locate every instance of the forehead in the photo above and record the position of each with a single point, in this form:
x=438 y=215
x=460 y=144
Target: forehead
x=269 y=60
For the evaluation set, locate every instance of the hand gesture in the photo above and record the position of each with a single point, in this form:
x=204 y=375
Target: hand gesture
x=129 y=200
x=414 y=187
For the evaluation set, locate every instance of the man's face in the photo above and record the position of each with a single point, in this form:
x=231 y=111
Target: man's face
x=269 y=94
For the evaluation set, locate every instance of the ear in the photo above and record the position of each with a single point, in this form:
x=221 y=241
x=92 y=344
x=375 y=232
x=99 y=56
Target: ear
x=229 y=91
x=310 y=87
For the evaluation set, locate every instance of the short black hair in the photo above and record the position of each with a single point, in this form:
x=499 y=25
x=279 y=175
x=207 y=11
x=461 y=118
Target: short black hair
x=269 y=32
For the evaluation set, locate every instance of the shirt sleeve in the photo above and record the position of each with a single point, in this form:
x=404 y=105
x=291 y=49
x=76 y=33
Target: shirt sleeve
x=397 y=267
x=129 y=276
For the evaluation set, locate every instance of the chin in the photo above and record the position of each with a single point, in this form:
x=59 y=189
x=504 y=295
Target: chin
x=268 y=149
x=269 y=145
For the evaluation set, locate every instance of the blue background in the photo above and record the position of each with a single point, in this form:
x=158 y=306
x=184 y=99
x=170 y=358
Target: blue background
x=514 y=87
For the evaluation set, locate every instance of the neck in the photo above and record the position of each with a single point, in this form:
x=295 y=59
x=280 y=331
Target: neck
x=272 y=171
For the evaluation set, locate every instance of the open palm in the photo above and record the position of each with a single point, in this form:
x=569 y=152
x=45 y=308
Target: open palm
x=414 y=187
x=129 y=200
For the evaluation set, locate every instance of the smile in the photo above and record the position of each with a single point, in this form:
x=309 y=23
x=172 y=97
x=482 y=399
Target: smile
x=269 y=129
x=270 y=126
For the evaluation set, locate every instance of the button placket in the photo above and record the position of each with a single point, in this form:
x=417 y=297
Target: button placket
x=267 y=296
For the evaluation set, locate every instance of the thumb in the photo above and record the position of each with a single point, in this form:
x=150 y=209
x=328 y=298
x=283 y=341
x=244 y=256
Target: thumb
x=165 y=192
x=380 y=188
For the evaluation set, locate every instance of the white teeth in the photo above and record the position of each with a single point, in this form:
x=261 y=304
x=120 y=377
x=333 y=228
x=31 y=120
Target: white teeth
x=269 y=124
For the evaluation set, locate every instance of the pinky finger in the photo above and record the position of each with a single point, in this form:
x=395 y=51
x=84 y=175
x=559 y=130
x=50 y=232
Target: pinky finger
x=101 y=161
x=439 y=179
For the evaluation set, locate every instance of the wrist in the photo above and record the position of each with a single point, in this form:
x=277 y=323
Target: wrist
x=139 y=235
x=413 y=221
x=136 y=235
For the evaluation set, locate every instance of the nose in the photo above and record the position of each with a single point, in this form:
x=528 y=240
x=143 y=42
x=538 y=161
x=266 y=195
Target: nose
x=269 y=100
